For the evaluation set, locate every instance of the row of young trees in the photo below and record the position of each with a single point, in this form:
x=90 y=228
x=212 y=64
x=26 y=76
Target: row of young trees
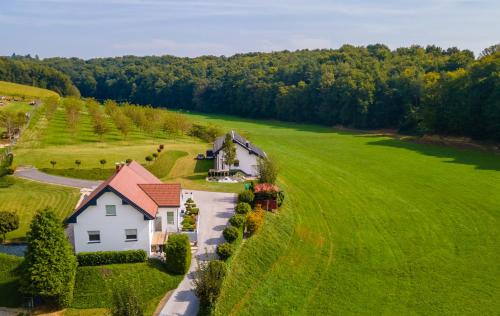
x=73 y=107
x=414 y=89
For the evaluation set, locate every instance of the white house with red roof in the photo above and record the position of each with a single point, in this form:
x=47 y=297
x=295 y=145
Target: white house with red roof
x=131 y=210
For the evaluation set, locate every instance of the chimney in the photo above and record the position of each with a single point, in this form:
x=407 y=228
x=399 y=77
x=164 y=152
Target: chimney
x=247 y=144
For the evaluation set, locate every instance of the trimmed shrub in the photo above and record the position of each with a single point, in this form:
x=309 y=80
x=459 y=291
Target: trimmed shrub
x=190 y=200
x=225 y=250
x=237 y=220
x=208 y=282
x=231 y=233
x=178 y=253
x=246 y=196
x=242 y=208
x=110 y=257
x=255 y=220
x=9 y=221
x=194 y=210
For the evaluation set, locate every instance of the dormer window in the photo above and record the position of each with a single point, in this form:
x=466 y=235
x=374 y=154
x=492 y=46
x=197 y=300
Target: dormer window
x=110 y=210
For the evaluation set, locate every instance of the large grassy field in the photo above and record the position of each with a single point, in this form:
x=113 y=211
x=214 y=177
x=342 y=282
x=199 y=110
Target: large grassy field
x=26 y=197
x=14 y=89
x=371 y=225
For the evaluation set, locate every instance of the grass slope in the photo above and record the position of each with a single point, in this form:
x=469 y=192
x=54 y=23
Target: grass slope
x=14 y=89
x=371 y=225
x=94 y=285
x=26 y=197
x=9 y=283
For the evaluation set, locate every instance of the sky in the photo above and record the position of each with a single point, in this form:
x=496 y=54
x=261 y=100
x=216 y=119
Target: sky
x=106 y=28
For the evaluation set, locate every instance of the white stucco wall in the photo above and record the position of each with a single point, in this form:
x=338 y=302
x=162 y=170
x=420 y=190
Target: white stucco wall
x=112 y=228
x=248 y=161
x=162 y=212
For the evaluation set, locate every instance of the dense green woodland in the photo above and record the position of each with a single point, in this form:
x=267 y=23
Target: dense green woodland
x=29 y=71
x=414 y=89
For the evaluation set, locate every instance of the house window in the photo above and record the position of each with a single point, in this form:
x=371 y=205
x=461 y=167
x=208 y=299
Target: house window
x=130 y=234
x=170 y=218
x=94 y=236
x=110 y=210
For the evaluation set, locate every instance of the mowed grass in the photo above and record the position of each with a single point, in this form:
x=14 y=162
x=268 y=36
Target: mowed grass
x=370 y=225
x=26 y=197
x=94 y=285
x=9 y=281
x=14 y=89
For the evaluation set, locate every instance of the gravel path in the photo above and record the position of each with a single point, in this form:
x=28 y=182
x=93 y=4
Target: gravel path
x=215 y=211
x=31 y=173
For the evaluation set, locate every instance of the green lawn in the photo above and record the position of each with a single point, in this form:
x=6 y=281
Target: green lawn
x=9 y=283
x=371 y=225
x=26 y=197
x=14 y=89
x=94 y=285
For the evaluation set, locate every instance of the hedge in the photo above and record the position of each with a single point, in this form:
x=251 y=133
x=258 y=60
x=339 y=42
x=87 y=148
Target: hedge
x=110 y=257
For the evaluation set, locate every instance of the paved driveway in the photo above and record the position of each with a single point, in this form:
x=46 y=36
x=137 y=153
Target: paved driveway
x=215 y=211
x=36 y=175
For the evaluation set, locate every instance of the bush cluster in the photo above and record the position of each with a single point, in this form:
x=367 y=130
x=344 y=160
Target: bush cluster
x=110 y=257
x=225 y=250
x=237 y=220
x=178 y=253
x=231 y=233
x=255 y=220
x=246 y=196
x=242 y=208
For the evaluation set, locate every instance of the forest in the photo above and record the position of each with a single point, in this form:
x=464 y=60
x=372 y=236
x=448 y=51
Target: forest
x=416 y=90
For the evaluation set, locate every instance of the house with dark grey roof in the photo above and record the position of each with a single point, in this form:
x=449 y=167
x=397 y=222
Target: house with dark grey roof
x=131 y=210
x=247 y=155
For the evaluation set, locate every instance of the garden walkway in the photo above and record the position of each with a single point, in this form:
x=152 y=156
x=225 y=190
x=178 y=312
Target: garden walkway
x=34 y=174
x=215 y=211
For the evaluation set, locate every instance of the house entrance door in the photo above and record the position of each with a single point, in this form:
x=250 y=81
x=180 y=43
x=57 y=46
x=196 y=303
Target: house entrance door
x=158 y=224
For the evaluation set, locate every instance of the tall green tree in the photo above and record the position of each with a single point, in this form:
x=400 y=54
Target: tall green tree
x=229 y=150
x=49 y=266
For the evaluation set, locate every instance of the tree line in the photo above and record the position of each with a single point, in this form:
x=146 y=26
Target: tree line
x=30 y=71
x=413 y=89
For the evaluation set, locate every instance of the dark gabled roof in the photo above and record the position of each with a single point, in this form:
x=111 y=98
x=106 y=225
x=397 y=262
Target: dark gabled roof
x=136 y=186
x=238 y=139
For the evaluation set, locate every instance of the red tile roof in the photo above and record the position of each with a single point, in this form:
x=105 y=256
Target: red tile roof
x=165 y=194
x=140 y=187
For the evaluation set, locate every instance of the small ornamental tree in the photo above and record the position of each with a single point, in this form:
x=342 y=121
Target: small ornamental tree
x=125 y=301
x=246 y=196
x=149 y=159
x=242 y=208
x=231 y=233
x=49 y=266
x=178 y=253
x=9 y=221
x=78 y=163
x=268 y=170
x=128 y=160
x=255 y=219
x=53 y=163
x=208 y=282
x=102 y=162
x=155 y=155
x=229 y=150
x=161 y=147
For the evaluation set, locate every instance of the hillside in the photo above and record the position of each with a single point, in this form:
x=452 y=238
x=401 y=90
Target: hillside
x=371 y=225
x=19 y=90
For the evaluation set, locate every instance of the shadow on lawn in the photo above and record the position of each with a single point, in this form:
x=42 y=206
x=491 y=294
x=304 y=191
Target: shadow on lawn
x=481 y=160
